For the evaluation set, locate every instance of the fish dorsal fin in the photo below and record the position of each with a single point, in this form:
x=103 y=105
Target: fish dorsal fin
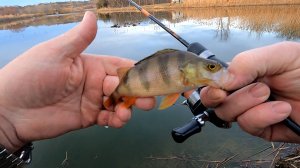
x=164 y=51
x=122 y=72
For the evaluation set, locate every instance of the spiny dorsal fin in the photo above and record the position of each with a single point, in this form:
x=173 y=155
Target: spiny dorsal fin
x=165 y=51
x=122 y=72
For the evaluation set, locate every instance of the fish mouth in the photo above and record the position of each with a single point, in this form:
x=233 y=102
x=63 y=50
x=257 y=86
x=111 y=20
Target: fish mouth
x=222 y=78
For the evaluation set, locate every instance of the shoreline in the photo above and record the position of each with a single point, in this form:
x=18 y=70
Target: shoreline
x=163 y=7
x=155 y=8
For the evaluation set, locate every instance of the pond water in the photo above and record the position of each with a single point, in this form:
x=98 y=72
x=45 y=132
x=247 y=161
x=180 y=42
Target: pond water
x=146 y=141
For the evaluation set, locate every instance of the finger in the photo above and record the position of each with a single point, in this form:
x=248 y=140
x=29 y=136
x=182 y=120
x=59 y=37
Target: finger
x=242 y=100
x=269 y=60
x=145 y=103
x=110 y=83
x=122 y=114
x=103 y=118
x=116 y=122
x=74 y=41
x=211 y=97
x=92 y=95
x=116 y=119
x=112 y=64
x=259 y=120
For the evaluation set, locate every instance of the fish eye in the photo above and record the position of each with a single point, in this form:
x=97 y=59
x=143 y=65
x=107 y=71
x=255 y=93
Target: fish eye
x=211 y=67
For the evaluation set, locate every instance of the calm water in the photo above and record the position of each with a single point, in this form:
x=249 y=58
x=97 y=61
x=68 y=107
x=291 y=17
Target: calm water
x=226 y=32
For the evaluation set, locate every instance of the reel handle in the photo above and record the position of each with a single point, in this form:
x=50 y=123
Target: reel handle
x=180 y=134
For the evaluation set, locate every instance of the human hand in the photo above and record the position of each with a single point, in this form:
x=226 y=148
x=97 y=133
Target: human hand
x=53 y=88
x=275 y=68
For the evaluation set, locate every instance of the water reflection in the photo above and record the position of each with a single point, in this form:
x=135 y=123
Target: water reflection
x=283 y=20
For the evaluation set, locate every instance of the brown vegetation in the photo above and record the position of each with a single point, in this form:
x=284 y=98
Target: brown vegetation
x=47 y=8
x=191 y=3
x=15 y=13
x=125 y=3
x=271 y=156
x=18 y=24
x=284 y=20
x=156 y=7
x=209 y=3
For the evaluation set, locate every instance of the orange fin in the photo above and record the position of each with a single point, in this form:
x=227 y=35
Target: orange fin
x=168 y=101
x=108 y=103
x=122 y=71
x=128 y=101
x=111 y=101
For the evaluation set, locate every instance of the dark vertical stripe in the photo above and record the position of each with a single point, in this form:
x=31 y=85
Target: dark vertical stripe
x=180 y=58
x=126 y=81
x=163 y=61
x=142 y=72
x=125 y=78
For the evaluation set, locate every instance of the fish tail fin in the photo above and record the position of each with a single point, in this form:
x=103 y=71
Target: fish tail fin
x=108 y=103
x=115 y=98
x=112 y=100
x=128 y=101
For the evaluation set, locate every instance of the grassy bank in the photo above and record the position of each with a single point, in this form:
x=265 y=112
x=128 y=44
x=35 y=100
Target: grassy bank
x=225 y=3
x=156 y=7
x=203 y=4
x=15 y=13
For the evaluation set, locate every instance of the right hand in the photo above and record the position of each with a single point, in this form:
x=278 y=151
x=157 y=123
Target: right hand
x=276 y=68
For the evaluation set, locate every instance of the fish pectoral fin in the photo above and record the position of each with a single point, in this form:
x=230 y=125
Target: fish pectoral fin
x=128 y=101
x=168 y=101
x=122 y=72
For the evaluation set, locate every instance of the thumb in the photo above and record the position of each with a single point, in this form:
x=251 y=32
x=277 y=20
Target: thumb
x=74 y=41
x=262 y=62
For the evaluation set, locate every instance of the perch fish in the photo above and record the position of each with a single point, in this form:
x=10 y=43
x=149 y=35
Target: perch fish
x=167 y=73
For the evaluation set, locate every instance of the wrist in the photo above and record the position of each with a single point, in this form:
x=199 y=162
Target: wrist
x=8 y=132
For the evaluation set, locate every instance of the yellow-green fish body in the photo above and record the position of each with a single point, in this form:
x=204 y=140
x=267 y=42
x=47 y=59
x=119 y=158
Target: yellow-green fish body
x=167 y=72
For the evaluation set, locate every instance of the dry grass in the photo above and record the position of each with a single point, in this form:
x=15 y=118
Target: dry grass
x=209 y=3
x=282 y=156
x=156 y=7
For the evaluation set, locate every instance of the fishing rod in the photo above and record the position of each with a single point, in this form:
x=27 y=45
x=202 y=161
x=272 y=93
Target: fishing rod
x=181 y=40
x=193 y=101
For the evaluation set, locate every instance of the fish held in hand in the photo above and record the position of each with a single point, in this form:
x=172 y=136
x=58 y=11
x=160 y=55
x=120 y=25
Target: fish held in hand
x=167 y=73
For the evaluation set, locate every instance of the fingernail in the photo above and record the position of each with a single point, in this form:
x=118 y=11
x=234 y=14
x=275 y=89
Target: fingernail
x=281 y=107
x=86 y=14
x=259 y=90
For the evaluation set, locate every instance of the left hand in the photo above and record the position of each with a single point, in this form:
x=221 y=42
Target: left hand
x=276 y=68
x=53 y=88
